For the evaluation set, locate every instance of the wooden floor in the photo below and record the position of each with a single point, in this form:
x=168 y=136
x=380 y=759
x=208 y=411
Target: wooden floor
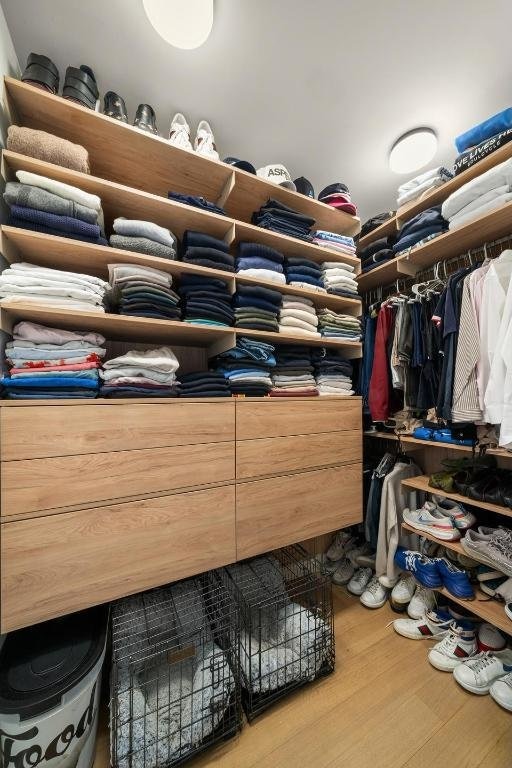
x=384 y=707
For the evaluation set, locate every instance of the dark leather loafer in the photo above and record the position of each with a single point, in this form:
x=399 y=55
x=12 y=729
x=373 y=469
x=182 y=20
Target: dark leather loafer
x=145 y=118
x=42 y=72
x=80 y=85
x=115 y=107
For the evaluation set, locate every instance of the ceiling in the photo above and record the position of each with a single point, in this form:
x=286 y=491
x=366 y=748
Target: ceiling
x=323 y=87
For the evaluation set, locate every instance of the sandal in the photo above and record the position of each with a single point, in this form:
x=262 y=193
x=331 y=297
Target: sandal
x=80 y=85
x=145 y=118
x=41 y=72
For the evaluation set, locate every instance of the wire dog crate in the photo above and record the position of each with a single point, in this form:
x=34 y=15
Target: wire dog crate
x=175 y=674
x=286 y=624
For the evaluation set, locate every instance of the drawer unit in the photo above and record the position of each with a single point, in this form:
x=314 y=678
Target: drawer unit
x=280 y=418
x=63 y=563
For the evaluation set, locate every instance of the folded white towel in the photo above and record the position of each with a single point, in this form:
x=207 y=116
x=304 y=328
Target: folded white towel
x=291 y=331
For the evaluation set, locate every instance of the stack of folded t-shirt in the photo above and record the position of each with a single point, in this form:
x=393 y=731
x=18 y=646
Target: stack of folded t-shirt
x=420 y=185
x=196 y=201
x=420 y=229
x=260 y=261
x=257 y=307
x=333 y=373
x=304 y=273
x=207 y=251
x=293 y=373
x=483 y=139
x=336 y=325
x=338 y=196
x=204 y=384
x=377 y=253
x=29 y=283
x=247 y=367
x=334 y=242
x=280 y=218
x=205 y=300
x=52 y=363
x=338 y=279
x=53 y=208
x=141 y=373
x=143 y=292
x=298 y=317
x=479 y=196
x=143 y=237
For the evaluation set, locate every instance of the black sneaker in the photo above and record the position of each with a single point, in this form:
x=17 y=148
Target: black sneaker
x=115 y=107
x=80 y=85
x=41 y=72
x=145 y=118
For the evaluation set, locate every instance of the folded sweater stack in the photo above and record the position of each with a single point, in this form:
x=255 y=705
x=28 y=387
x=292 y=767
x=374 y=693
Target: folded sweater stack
x=481 y=195
x=52 y=363
x=376 y=253
x=53 y=208
x=28 y=283
x=421 y=228
x=206 y=301
x=298 y=317
x=334 y=242
x=333 y=374
x=146 y=373
x=204 y=384
x=207 y=251
x=336 y=325
x=143 y=292
x=303 y=273
x=247 y=367
x=293 y=373
x=47 y=147
x=420 y=185
x=280 y=218
x=143 y=237
x=339 y=279
x=261 y=262
x=257 y=307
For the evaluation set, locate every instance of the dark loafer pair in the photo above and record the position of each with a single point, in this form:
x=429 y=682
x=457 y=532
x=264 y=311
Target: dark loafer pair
x=41 y=72
x=144 y=118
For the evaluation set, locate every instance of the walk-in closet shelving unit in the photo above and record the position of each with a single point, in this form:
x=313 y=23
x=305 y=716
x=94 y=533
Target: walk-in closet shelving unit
x=487 y=236
x=105 y=498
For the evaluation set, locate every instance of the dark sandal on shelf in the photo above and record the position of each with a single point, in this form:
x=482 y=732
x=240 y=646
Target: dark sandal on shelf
x=41 y=72
x=145 y=118
x=80 y=85
x=114 y=106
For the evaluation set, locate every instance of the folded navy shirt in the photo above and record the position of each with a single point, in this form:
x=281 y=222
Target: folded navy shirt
x=256 y=262
x=191 y=238
x=260 y=251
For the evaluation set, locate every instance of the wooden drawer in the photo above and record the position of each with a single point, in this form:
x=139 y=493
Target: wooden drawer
x=275 y=455
x=63 y=481
x=63 y=563
x=282 y=510
x=277 y=418
x=67 y=430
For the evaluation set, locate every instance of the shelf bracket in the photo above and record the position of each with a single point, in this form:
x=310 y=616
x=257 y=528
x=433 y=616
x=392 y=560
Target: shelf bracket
x=405 y=267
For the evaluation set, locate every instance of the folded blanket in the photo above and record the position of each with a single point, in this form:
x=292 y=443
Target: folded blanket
x=498 y=176
x=461 y=219
x=47 y=147
x=478 y=133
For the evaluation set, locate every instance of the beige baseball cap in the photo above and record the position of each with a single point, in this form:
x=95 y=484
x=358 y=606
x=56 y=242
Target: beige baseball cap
x=277 y=174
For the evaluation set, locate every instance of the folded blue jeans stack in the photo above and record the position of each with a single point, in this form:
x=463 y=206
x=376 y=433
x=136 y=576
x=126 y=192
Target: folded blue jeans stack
x=247 y=367
x=280 y=218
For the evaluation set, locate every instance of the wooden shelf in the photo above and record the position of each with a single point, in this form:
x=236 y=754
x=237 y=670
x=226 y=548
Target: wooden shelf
x=383 y=275
x=136 y=158
x=120 y=200
x=500 y=452
x=350 y=349
x=388 y=228
x=455 y=545
x=420 y=483
x=484 y=607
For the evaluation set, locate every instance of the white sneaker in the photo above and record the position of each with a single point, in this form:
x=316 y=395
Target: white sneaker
x=462 y=519
x=375 y=595
x=431 y=520
x=423 y=600
x=204 y=143
x=179 y=133
x=490 y=639
x=342 y=541
x=403 y=592
x=343 y=573
x=501 y=692
x=432 y=624
x=478 y=674
x=457 y=646
x=359 y=581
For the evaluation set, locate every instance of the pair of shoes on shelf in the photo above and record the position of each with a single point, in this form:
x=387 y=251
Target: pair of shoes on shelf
x=204 y=142
x=406 y=594
x=435 y=572
x=79 y=82
x=442 y=518
x=115 y=107
x=457 y=474
x=347 y=566
x=439 y=435
x=491 y=546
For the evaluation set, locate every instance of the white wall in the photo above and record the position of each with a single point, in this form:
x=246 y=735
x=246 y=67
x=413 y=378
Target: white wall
x=9 y=65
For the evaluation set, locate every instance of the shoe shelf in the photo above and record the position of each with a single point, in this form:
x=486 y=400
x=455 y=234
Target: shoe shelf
x=139 y=159
x=407 y=439
x=455 y=545
x=420 y=483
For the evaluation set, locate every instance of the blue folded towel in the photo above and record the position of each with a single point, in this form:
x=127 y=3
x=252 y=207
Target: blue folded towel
x=499 y=122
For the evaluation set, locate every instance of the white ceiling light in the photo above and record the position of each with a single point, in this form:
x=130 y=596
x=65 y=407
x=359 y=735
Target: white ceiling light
x=182 y=23
x=413 y=150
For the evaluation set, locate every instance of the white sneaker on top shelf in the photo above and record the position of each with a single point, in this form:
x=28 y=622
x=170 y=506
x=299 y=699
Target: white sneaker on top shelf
x=179 y=132
x=204 y=143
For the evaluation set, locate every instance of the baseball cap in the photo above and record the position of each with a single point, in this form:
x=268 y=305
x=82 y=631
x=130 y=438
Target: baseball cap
x=333 y=189
x=244 y=165
x=277 y=174
x=304 y=186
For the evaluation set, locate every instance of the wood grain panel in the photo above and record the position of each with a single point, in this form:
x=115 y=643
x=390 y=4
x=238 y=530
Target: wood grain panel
x=282 y=510
x=278 y=418
x=275 y=455
x=63 y=563
x=38 y=431
x=43 y=484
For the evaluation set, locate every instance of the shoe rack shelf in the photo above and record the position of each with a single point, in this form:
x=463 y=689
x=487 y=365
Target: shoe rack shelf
x=407 y=439
x=127 y=155
x=420 y=483
x=456 y=546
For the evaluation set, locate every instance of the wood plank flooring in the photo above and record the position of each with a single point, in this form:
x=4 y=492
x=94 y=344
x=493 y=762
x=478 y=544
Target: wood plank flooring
x=384 y=707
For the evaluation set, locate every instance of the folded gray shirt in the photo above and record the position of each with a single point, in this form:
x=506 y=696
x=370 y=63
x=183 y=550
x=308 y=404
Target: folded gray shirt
x=142 y=245
x=42 y=200
x=136 y=228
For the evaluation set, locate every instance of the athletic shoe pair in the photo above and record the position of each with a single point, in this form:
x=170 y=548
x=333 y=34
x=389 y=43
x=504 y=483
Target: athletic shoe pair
x=435 y=572
x=204 y=142
x=408 y=595
x=442 y=518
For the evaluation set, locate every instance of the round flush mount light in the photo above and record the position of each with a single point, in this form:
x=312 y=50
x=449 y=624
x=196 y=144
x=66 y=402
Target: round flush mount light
x=413 y=150
x=183 y=23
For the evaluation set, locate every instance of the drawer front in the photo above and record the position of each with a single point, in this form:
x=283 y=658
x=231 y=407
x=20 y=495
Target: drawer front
x=283 y=510
x=69 y=430
x=276 y=418
x=275 y=455
x=63 y=563
x=63 y=481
